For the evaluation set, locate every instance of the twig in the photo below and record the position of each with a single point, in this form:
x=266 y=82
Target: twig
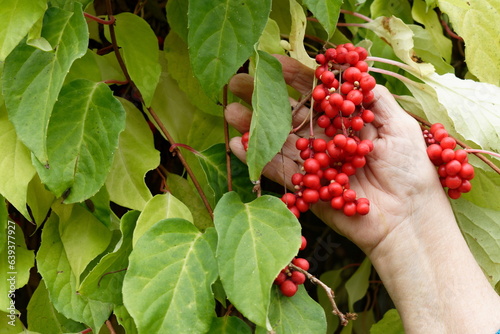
x=110 y=327
x=344 y=318
x=358 y=15
x=99 y=20
x=153 y=113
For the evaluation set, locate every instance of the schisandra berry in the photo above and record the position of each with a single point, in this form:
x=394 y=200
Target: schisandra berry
x=452 y=165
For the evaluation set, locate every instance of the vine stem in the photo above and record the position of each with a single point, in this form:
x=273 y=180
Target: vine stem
x=390 y=62
x=344 y=318
x=110 y=327
x=392 y=74
x=153 y=114
x=358 y=15
x=466 y=147
x=99 y=20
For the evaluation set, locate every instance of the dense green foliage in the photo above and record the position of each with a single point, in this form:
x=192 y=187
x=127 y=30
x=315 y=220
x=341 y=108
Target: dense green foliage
x=100 y=220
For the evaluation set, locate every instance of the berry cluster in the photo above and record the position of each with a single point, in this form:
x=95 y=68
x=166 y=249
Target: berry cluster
x=344 y=87
x=288 y=279
x=452 y=165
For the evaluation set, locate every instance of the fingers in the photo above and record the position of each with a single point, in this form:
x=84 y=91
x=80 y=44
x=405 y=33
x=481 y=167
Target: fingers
x=242 y=86
x=296 y=74
x=238 y=116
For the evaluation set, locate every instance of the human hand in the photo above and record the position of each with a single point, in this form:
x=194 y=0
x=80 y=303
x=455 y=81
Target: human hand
x=398 y=178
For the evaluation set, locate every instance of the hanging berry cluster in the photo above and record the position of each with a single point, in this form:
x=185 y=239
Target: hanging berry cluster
x=289 y=279
x=453 y=167
x=344 y=88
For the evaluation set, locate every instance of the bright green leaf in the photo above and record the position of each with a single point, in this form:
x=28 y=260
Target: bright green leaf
x=427 y=50
x=33 y=78
x=390 y=324
x=104 y=282
x=15 y=164
x=256 y=241
x=39 y=200
x=477 y=23
x=136 y=155
x=271 y=121
x=35 y=38
x=167 y=287
x=158 y=208
x=297 y=314
x=139 y=47
x=357 y=284
x=77 y=226
x=485 y=181
x=187 y=194
x=228 y=325
x=221 y=38
x=81 y=147
x=60 y=281
x=327 y=12
x=13 y=324
x=43 y=318
x=16 y=19
x=125 y=320
x=297 y=33
x=180 y=69
x=85 y=67
x=270 y=40
x=481 y=229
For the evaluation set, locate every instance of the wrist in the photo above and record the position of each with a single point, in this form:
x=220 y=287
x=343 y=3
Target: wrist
x=432 y=277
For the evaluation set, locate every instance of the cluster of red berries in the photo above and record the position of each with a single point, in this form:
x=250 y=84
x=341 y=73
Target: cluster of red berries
x=289 y=279
x=453 y=167
x=343 y=89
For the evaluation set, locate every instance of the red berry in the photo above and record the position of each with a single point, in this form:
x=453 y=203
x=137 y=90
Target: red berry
x=362 y=66
x=435 y=127
x=367 y=83
x=327 y=78
x=335 y=189
x=454 y=193
x=362 y=207
x=301 y=205
x=303 y=243
x=323 y=121
x=288 y=288
x=453 y=167
x=350 y=209
x=434 y=151
x=280 y=278
x=320 y=59
x=311 y=166
x=288 y=199
x=310 y=196
x=319 y=93
x=337 y=202
x=453 y=182
x=298 y=277
x=352 y=74
x=368 y=116
x=357 y=123
x=302 y=143
x=301 y=263
x=440 y=134
x=311 y=181
x=297 y=179
x=467 y=171
x=349 y=195
x=448 y=142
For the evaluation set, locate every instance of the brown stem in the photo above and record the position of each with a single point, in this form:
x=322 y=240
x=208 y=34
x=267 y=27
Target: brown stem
x=226 y=141
x=115 y=82
x=344 y=318
x=109 y=273
x=461 y=143
x=110 y=327
x=174 y=146
x=154 y=115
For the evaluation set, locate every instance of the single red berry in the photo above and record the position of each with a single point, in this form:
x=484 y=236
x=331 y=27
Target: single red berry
x=301 y=205
x=301 y=263
x=310 y=196
x=288 y=199
x=288 y=288
x=337 y=202
x=352 y=74
x=303 y=243
x=311 y=166
x=349 y=209
x=302 y=143
x=298 y=277
x=280 y=278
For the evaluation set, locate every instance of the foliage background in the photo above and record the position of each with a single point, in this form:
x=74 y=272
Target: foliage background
x=91 y=177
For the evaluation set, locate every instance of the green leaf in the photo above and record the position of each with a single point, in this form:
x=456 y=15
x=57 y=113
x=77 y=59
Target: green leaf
x=85 y=67
x=327 y=12
x=167 y=287
x=213 y=162
x=228 y=325
x=14 y=324
x=136 y=155
x=297 y=33
x=15 y=164
x=43 y=318
x=390 y=324
x=469 y=104
x=427 y=50
x=158 y=208
x=271 y=121
x=432 y=24
x=297 y=314
x=333 y=279
x=16 y=19
x=398 y=8
x=221 y=38
x=476 y=22
x=81 y=147
x=104 y=282
x=179 y=67
x=139 y=47
x=270 y=40
x=256 y=241
x=77 y=226
x=124 y=319
x=16 y=264
x=484 y=182
x=33 y=78
x=39 y=200
x=177 y=17
x=357 y=284
x=186 y=193
x=35 y=38
x=60 y=281
x=481 y=229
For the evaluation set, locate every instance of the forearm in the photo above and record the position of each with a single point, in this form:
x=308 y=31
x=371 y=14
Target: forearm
x=433 y=278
